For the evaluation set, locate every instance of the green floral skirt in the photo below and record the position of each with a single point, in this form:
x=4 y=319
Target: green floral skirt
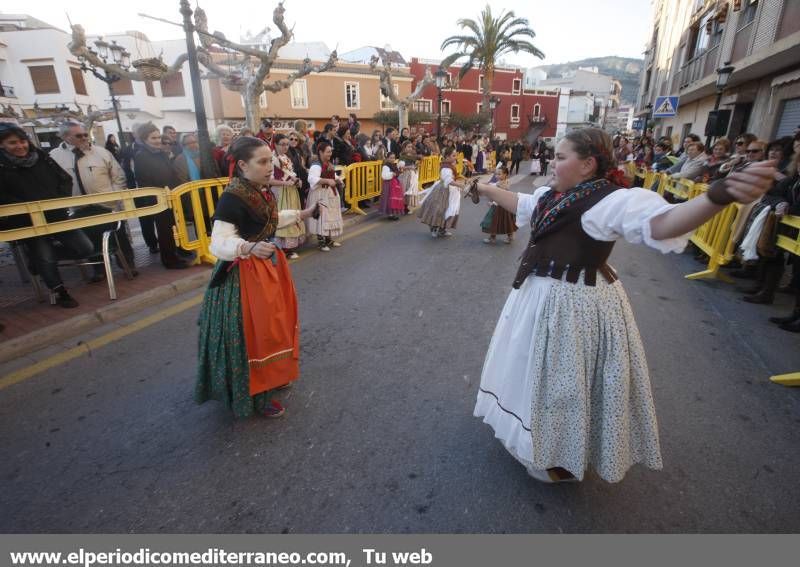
x=223 y=373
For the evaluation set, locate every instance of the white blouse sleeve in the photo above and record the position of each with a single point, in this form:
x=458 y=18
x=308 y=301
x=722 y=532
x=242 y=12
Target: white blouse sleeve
x=225 y=241
x=447 y=176
x=314 y=175
x=627 y=213
x=386 y=173
x=526 y=204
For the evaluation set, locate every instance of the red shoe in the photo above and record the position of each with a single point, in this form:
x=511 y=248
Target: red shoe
x=274 y=409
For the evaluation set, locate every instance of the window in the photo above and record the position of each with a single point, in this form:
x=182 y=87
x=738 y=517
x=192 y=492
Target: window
x=515 y=113
x=748 y=12
x=352 y=98
x=699 y=36
x=716 y=34
x=122 y=87
x=44 y=79
x=445 y=107
x=77 y=80
x=479 y=107
x=386 y=102
x=262 y=100
x=668 y=133
x=516 y=86
x=537 y=110
x=299 y=94
x=480 y=84
x=423 y=105
x=148 y=87
x=173 y=85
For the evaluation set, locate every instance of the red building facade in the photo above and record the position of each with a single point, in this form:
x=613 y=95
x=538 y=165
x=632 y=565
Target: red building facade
x=518 y=111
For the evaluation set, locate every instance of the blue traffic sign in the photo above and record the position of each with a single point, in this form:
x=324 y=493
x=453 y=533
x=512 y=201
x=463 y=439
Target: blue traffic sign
x=665 y=107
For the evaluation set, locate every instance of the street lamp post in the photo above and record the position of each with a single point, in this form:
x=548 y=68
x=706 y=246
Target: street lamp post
x=441 y=81
x=197 y=91
x=723 y=75
x=120 y=57
x=493 y=102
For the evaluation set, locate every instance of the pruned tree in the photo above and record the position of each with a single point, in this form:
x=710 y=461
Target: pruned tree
x=468 y=123
x=390 y=118
x=65 y=114
x=387 y=88
x=252 y=65
x=151 y=69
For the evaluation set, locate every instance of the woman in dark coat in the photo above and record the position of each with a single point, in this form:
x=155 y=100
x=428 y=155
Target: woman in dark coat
x=154 y=169
x=29 y=174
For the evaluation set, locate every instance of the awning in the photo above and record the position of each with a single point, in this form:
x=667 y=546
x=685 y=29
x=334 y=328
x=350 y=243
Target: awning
x=789 y=77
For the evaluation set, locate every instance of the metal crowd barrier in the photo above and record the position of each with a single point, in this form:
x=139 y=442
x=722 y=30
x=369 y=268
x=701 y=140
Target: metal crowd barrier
x=362 y=181
x=120 y=200
x=202 y=197
x=792 y=245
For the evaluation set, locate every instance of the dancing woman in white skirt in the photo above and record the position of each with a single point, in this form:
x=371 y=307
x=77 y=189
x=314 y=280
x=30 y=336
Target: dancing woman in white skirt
x=565 y=384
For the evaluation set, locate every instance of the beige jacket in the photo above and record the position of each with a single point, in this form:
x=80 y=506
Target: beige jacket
x=100 y=172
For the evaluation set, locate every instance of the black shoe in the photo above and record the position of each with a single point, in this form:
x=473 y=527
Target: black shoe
x=793 y=327
x=750 y=290
x=745 y=273
x=179 y=265
x=153 y=249
x=64 y=299
x=365 y=205
x=761 y=298
x=186 y=253
x=794 y=316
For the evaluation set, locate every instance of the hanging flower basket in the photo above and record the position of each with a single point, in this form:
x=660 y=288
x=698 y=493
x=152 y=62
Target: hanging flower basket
x=152 y=69
x=232 y=82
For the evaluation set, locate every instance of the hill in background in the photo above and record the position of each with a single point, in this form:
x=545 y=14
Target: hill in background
x=626 y=70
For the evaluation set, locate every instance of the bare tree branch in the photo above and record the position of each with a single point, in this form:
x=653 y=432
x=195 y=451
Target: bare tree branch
x=387 y=83
x=306 y=69
x=79 y=49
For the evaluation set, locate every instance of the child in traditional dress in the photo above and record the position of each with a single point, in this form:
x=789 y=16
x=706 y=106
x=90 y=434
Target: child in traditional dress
x=285 y=184
x=409 y=177
x=498 y=220
x=565 y=384
x=441 y=203
x=392 y=203
x=325 y=191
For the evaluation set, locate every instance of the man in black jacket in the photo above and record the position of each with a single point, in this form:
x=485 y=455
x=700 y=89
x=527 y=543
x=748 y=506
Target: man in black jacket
x=516 y=155
x=29 y=174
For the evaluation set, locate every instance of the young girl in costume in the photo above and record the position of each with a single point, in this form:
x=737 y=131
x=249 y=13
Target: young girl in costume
x=249 y=332
x=325 y=190
x=392 y=203
x=498 y=220
x=408 y=177
x=565 y=384
x=442 y=202
x=285 y=184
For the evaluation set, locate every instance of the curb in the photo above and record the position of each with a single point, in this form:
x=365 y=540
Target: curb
x=65 y=330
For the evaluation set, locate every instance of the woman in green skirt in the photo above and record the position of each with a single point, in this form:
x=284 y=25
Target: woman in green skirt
x=249 y=331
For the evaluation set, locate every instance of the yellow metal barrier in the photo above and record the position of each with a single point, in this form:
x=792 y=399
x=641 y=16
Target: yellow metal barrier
x=362 y=181
x=429 y=170
x=630 y=169
x=791 y=245
x=650 y=178
x=202 y=196
x=714 y=238
x=122 y=201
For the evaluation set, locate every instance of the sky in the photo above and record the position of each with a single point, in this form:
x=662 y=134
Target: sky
x=566 y=30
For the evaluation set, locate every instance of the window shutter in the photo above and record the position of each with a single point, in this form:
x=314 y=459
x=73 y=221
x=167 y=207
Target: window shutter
x=44 y=79
x=77 y=81
x=173 y=85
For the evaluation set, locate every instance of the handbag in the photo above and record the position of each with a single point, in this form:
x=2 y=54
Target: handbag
x=767 y=246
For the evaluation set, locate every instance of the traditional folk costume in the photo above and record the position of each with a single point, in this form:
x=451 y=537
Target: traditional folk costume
x=409 y=179
x=329 y=224
x=249 y=331
x=392 y=202
x=288 y=198
x=441 y=203
x=498 y=220
x=565 y=380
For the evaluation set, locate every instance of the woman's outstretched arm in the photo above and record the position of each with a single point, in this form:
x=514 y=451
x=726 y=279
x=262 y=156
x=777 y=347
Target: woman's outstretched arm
x=743 y=186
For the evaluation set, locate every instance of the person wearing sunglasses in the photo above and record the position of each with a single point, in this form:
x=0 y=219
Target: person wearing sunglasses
x=93 y=170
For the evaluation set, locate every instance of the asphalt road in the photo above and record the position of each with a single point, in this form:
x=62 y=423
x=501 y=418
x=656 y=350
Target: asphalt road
x=379 y=435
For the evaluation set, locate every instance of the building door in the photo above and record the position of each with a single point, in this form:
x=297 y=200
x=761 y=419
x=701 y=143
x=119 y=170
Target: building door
x=789 y=119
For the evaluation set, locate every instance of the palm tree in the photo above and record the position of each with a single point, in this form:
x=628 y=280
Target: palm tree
x=489 y=38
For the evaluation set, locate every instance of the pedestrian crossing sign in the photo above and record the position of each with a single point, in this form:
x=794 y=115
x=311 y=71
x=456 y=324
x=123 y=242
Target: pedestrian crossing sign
x=665 y=107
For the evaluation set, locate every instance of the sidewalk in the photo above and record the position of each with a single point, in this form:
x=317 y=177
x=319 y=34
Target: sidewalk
x=31 y=325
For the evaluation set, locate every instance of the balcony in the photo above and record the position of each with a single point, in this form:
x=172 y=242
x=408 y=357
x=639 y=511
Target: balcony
x=7 y=91
x=698 y=68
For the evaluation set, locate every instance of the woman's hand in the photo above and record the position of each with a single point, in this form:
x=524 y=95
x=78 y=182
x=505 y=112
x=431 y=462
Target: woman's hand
x=263 y=250
x=751 y=182
x=310 y=212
